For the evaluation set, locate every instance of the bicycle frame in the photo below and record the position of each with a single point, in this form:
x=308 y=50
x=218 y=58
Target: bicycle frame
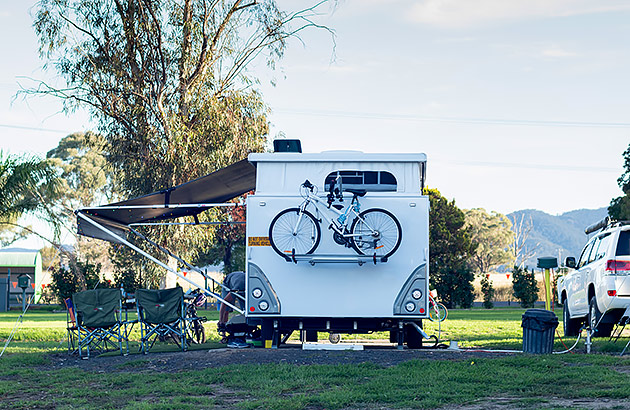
x=336 y=225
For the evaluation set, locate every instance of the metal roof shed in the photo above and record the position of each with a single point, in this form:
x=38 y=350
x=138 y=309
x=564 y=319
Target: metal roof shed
x=13 y=263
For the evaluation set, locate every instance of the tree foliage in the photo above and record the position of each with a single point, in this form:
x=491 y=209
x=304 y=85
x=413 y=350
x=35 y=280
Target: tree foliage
x=84 y=175
x=449 y=250
x=64 y=281
x=619 y=208
x=85 y=179
x=25 y=183
x=228 y=247
x=128 y=268
x=487 y=291
x=525 y=286
x=493 y=237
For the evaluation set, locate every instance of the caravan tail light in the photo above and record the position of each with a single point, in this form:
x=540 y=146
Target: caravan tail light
x=612 y=293
x=615 y=267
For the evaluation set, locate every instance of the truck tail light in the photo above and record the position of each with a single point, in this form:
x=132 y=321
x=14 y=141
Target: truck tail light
x=612 y=293
x=616 y=267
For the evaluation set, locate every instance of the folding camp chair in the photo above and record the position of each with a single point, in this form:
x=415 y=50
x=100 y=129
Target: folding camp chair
x=161 y=315
x=98 y=319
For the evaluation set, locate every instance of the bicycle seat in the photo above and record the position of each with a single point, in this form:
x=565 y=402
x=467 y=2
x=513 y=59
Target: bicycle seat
x=357 y=192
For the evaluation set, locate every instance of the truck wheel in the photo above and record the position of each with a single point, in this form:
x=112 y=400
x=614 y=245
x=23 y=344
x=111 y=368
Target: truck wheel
x=571 y=326
x=594 y=315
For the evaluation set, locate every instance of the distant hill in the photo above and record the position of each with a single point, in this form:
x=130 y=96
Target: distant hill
x=559 y=236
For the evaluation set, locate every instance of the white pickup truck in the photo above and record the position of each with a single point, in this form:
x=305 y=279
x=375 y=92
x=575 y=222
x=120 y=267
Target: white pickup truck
x=596 y=291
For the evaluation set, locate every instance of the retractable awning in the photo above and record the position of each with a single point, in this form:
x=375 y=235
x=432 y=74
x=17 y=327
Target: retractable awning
x=187 y=199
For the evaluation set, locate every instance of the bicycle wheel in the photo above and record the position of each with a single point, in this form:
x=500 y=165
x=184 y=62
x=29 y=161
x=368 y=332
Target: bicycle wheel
x=438 y=313
x=197 y=333
x=378 y=231
x=283 y=239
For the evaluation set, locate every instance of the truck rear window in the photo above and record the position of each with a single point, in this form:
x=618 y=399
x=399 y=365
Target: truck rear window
x=623 y=246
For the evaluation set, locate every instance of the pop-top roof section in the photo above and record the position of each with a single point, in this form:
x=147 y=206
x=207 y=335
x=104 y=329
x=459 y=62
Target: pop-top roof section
x=337 y=156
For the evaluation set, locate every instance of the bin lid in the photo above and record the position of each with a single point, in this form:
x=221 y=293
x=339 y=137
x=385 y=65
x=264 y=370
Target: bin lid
x=547 y=262
x=539 y=319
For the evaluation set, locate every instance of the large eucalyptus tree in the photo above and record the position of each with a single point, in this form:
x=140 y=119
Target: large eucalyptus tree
x=166 y=82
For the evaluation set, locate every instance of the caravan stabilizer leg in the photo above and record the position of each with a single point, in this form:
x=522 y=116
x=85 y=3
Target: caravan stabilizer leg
x=401 y=335
x=419 y=329
x=413 y=334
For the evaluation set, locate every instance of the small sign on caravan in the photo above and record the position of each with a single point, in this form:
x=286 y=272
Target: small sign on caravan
x=258 y=241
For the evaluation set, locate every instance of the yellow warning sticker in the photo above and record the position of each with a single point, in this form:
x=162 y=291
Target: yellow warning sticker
x=258 y=241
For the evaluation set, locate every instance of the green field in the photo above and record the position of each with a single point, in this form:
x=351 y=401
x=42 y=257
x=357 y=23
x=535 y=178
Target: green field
x=515 y=381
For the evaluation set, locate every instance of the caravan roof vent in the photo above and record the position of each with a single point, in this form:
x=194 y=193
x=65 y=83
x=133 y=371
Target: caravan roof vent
x=283 y=145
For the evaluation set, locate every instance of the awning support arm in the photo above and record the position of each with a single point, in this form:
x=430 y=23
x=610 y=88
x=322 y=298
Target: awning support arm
x=157 y=261
x=184 y=223
x=188 y=265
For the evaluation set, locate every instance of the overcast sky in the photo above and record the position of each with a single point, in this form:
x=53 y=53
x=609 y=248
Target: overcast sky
x=517 y=104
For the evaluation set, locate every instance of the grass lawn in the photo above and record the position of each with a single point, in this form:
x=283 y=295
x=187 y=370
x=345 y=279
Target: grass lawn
x=517 y=381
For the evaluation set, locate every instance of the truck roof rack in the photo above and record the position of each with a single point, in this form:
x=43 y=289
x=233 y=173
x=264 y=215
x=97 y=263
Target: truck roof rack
x=607 y=222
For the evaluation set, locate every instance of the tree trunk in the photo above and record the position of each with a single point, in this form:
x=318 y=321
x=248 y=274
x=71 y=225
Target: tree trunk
x=227 y=257
x=169 y=280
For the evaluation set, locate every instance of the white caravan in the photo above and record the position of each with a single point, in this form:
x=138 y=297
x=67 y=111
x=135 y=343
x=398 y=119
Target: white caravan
x=338 y=242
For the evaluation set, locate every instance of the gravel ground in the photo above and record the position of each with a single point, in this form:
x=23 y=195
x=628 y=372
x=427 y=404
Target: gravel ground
x=384 y=355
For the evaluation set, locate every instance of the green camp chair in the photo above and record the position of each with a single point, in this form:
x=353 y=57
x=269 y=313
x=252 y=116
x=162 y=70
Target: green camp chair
x=98 y=319
x=161 y=316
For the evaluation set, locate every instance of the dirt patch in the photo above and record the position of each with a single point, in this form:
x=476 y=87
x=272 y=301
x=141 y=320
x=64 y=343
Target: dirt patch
x=513 y=403
x=177 y=361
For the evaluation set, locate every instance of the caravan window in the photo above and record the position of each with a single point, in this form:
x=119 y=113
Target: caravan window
x=379 y=181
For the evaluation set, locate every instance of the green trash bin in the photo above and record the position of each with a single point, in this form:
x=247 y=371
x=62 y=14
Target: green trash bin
x=538 y=328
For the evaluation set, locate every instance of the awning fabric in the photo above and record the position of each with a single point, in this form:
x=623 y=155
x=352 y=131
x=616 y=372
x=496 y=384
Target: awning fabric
x=217 y=187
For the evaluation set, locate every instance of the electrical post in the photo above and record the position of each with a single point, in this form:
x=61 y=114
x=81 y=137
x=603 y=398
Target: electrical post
x=24 y=281
x=547 y=263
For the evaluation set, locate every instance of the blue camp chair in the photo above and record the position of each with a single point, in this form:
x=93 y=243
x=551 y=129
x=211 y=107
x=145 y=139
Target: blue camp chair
x=98 y=320
x=161 y=315
x=71 y=325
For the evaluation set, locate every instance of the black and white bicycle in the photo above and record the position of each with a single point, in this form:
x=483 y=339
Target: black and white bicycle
x=296 y=231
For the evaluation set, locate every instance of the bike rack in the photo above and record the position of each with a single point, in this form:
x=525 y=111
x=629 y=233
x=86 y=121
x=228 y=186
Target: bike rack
x=331 y=258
